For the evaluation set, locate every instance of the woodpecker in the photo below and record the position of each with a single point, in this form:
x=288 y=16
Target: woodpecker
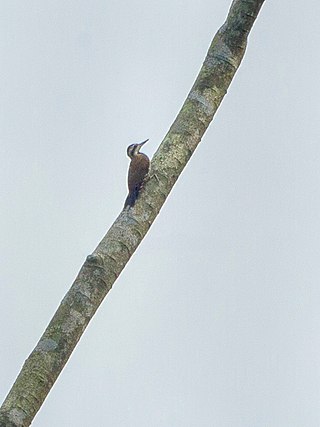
x=138 y=169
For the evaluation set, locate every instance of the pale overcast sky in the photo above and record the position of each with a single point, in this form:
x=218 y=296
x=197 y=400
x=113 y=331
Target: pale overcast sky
x=215 y=321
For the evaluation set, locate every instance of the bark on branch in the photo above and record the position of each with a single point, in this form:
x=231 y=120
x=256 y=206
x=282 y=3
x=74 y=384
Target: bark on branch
x=104 y=265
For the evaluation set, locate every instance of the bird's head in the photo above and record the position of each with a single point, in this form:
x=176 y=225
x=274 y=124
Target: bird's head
x=134 y=149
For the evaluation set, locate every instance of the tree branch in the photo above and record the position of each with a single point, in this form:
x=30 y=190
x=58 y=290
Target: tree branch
x=102 y=268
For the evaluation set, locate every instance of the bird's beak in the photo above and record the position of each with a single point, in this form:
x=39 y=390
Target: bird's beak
x=142 y=143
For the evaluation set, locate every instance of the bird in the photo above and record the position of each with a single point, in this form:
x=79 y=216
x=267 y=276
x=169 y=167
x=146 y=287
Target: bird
x=138 y=170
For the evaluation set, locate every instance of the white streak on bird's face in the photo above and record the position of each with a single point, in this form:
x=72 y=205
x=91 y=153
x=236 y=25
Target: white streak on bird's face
x=134 y=149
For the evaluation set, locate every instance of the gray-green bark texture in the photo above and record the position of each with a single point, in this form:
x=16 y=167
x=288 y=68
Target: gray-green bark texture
x=104 y=265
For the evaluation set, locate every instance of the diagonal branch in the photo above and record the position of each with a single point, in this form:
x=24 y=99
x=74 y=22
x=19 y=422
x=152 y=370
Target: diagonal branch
x=102 y=268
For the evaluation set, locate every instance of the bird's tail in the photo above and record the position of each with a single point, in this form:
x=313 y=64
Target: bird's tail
x=131 y=198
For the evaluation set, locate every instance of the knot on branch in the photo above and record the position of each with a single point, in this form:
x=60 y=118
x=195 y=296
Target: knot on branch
x=95 y=259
